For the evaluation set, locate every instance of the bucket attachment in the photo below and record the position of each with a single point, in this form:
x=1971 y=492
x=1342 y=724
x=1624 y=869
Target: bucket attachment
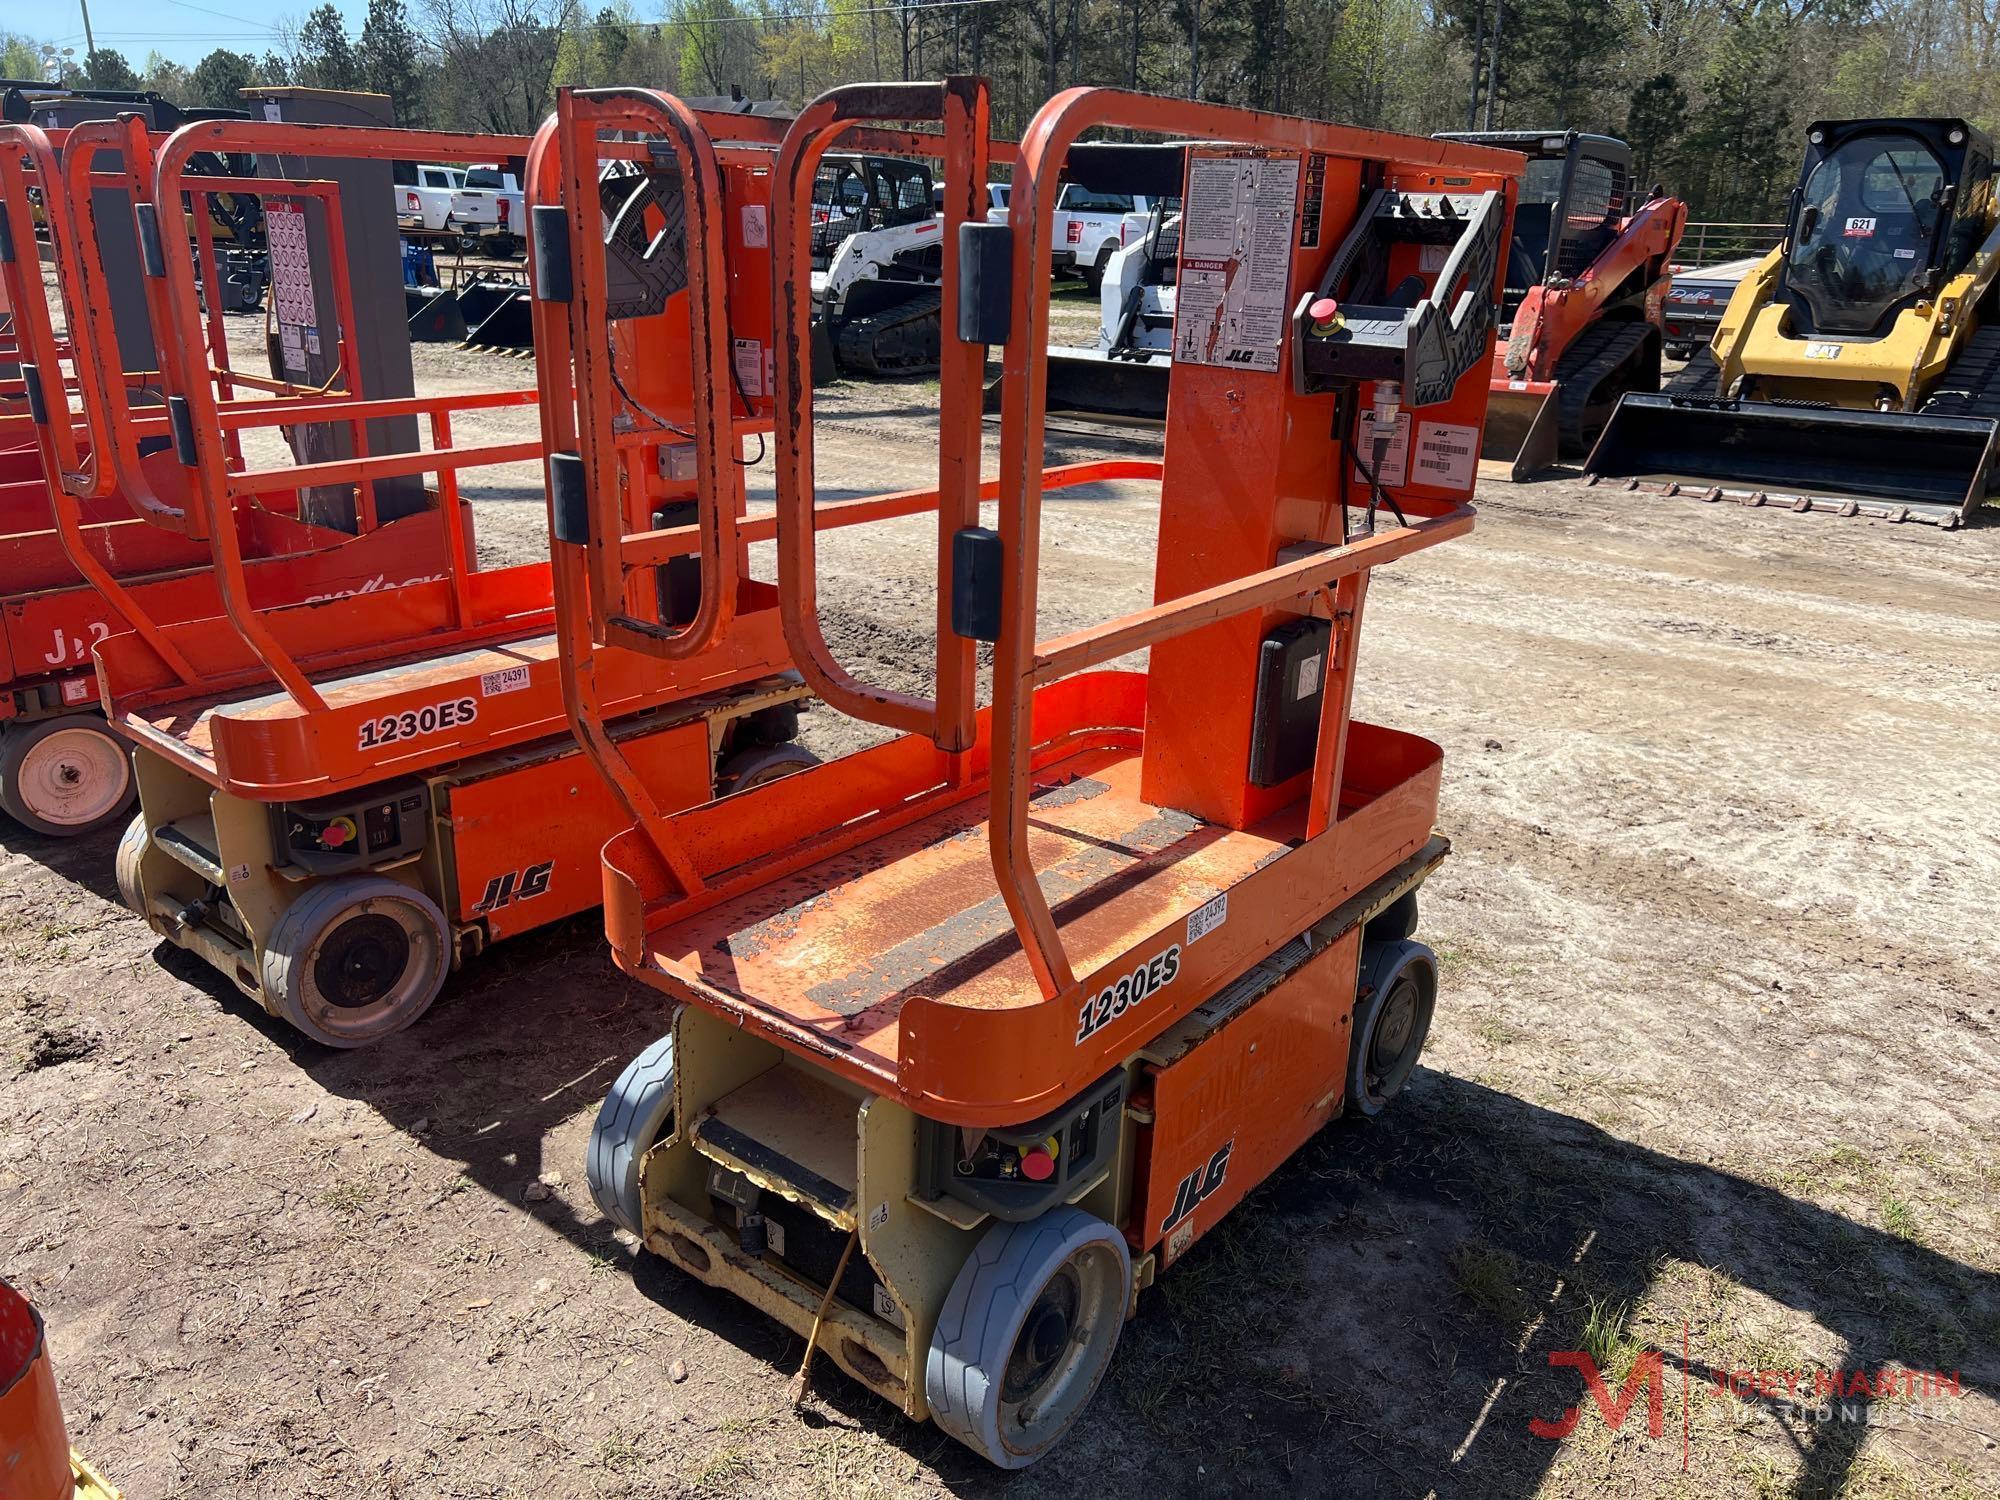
x=434 y=315
x=1521 y=433
x=497 y=314
x=1896 y=465
x=1090 y=383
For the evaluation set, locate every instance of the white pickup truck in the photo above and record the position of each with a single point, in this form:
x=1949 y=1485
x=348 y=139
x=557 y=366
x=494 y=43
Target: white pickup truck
x=490 y=206
x=1089 y=229
x=424 y=193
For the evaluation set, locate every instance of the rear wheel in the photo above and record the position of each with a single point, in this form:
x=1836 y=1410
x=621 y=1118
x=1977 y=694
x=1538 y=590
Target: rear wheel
x=1392 y=1017
x=355 y=959
x=1026 y=1334
x=64 y=776
x=758 y=764
x=1093 y=275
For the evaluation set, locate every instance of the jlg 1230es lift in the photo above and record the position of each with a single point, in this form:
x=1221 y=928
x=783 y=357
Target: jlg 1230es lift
x=94 y=538
x=352 y=793
x=980 y=1028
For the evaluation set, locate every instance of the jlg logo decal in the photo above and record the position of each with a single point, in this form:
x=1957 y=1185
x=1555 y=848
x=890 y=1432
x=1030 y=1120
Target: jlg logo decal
x=516 y=885
x=1199 y=1186
x=1114 y=1000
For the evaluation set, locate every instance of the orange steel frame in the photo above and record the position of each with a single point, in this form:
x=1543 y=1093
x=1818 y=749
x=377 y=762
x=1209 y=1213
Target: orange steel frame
x=1002 y=1061
x=138 y=560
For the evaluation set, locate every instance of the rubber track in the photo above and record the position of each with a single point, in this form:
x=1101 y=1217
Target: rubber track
x=1584 y=368
x=1700 y=377
x=899 y=340
x=1971 y=384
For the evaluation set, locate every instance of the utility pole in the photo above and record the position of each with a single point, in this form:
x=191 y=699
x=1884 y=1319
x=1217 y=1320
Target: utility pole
x=89 y=42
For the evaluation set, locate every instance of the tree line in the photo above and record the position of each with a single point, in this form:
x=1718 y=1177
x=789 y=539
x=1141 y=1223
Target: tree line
x=1714 y=95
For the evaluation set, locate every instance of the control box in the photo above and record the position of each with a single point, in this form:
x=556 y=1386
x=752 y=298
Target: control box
x=333 y=835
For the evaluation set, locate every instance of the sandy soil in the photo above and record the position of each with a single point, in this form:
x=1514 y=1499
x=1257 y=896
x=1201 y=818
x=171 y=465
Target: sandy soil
x=1716 y=1073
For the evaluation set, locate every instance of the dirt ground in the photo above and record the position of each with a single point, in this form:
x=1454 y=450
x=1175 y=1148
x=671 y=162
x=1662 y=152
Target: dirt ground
x=1715 y=1076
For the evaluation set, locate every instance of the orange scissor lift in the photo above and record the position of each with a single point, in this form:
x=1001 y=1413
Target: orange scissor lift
x=344 y=797
x=77 y=552
x=979 y=1028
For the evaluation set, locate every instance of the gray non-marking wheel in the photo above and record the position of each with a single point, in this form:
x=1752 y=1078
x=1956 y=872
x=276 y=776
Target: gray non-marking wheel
x=132 y=846
x=65 y=776
x=355 y=959
x=1398 y=993
x=635 y=1114
x=758 y=764
x=1027 y=1333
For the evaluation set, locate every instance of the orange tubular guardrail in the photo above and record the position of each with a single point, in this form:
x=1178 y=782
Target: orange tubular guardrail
x=72 y=476
x=1021 y=662
x=217 y=486
x=613 y=549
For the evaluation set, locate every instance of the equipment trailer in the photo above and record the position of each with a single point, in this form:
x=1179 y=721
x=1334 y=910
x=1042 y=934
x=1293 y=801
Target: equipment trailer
x=977 y=1030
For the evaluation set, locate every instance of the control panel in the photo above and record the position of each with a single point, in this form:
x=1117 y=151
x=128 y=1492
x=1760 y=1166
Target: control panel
x=332 y=835
x=1408 y=298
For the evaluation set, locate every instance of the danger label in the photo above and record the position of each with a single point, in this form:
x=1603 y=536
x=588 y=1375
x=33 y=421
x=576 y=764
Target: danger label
x=1236 y=259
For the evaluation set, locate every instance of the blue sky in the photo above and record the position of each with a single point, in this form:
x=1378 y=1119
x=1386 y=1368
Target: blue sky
x=183 y=30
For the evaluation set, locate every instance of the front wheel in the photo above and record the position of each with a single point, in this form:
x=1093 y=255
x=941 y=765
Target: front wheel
x=1026 y=1334
x=355 y=959
x=1397 y=993
x=637 y=1111
x=64 y=776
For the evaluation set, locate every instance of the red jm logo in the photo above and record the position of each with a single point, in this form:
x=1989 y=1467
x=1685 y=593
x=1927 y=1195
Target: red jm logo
x=1646 y=1371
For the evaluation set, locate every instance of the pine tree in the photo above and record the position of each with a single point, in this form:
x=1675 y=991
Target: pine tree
x=221 y=77
x=391 y=62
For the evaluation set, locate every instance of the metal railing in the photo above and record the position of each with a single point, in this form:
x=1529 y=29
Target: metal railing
x=1710 y=244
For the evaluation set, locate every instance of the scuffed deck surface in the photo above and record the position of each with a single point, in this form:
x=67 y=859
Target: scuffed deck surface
x=839 y=946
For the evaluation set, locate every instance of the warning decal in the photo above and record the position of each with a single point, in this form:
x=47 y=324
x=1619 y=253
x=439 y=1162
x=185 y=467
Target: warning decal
x=1236 y=259
x=291 y=281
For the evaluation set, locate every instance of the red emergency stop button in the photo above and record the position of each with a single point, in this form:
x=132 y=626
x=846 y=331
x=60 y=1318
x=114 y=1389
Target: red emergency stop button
x=1325 y=315
x=337 y=834
x=1037 y=1165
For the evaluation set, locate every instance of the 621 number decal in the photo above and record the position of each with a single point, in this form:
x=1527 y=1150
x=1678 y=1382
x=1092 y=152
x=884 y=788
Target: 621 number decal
x=414 y=723
x=1111 y=1002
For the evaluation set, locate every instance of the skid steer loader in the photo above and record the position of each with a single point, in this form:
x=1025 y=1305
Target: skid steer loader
x=1857 y=368
x=1581 y=321
x=877 y=259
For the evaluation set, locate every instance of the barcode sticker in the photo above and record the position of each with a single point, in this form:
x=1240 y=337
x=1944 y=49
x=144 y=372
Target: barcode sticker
x=506 y=680
x=1447 y=455
x=1205 y=918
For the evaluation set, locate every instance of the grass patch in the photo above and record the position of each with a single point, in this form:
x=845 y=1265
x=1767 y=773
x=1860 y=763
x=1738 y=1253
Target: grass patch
x=728 y=1465
x=619 y=1455
x=1607 y=1337
x=1489 y=1278
x=348 y=1196
x=1900 y=1219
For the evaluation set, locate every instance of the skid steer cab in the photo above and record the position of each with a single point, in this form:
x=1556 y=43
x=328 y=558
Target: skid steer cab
x=1857 y=367
x=978 y=1030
